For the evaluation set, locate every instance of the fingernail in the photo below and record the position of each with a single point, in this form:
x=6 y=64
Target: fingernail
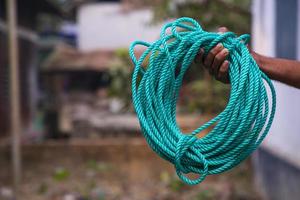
x=219 y=45
x=226 y=62
x=225 y=51
x=222 y=29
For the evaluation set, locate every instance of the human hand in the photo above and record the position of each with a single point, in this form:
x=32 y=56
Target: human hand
x=215 y=61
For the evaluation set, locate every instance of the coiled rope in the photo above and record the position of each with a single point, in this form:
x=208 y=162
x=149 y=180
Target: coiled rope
x=238 y=129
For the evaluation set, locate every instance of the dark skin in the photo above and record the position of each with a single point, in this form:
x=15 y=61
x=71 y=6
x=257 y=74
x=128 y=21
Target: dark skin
x=283 y=70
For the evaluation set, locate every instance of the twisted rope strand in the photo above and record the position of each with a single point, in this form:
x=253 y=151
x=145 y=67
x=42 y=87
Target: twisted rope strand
x=239 y=128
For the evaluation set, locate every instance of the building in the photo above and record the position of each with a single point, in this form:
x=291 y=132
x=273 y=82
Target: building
x=102 y=28
x=276 y=32
x=107 y=25
x=28 y=12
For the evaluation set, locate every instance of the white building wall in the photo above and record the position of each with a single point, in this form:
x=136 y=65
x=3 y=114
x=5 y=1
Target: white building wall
x=284 y=136
x=263 y=27
x=298 y=28
x=107 y=25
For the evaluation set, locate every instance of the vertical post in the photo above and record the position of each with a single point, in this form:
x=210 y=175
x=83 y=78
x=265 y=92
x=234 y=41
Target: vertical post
x=14 y=93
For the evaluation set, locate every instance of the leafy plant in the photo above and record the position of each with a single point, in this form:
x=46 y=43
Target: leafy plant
x=176 y=184
x=172 y=181
x=234 y=14
x=43 y=188
x=61 y=174
x=207 y=194
x=120 y=73
x=98 y=166
x=200 y=93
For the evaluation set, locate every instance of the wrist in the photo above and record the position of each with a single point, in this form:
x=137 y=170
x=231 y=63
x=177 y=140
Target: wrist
x=257 y=58
x=260 y=60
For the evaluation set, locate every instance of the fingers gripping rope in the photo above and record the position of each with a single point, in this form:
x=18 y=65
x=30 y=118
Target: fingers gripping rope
x=238 y=129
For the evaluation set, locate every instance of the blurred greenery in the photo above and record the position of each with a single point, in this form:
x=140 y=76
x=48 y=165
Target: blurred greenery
x=207 y=194
x=200 y=92
x=234 y=14
x=99 y=166
x=176 y=184
x=207 y=96
x=61 y=174
x=43 y=188
x=172 y=181
x=120 y=73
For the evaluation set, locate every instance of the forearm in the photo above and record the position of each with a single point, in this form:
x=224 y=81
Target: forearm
x=283 y=70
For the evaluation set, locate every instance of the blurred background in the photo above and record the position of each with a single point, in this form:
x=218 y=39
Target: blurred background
x=67 y=126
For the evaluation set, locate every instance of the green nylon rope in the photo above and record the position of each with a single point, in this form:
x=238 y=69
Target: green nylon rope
x=238 y=129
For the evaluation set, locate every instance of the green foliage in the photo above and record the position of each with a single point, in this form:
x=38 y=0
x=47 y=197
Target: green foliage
x=61 y=174
x=176 y=184
x=42 y=189
x=200 y=92
x=172 y=182
x=165 y=177
x=233 y=14
x=98 y=166
x=120 y=73
x=207 y=96
x=208 y=194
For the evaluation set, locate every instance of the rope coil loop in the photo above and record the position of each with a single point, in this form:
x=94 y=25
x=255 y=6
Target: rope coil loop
x=237 y=131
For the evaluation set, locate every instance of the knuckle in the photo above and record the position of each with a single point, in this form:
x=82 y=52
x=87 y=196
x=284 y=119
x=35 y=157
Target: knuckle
x=219 y=57
x=211 y=54
x=213 y=51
